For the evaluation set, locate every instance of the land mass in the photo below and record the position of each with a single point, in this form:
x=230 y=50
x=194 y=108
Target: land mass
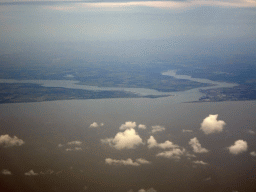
x=238 y=93
x=26 y=92
x=45 y=66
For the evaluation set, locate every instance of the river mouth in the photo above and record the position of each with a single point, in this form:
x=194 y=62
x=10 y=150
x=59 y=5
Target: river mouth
x=188 y=95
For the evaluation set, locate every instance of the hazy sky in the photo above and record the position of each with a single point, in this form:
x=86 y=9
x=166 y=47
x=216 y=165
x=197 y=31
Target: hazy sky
x=122 y=20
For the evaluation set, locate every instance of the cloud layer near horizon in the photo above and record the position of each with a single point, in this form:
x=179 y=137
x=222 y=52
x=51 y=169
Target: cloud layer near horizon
x=156 y=4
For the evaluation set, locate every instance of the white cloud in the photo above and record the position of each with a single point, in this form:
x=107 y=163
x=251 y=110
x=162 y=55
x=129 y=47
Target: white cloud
x=74 y=143
x=128 y=139
x=6 y=172
x=128 y=125
x=7 y=141
x=157 y=128
x=153 y=143
x=94 y=125
x=141 y=126
x=74 y=149
x=143 y=161
x=172 y=154
x=175 y=4
x=197 y=148
x=60 y=145
x=251 y=132
x=253 y=153
x=149 y=190
x=200 y=163
x=129 y=161
x=211 y=125
x=31 y=173
x=186 y=131
x=121 y=162
x=239 y=147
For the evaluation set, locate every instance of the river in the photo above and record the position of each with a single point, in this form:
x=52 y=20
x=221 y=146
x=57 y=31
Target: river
x=180 y=96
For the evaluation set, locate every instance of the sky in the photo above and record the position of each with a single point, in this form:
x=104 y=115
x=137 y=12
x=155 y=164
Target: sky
x=44 y=21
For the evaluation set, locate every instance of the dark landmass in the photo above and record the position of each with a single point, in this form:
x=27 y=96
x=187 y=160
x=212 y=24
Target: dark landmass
x=94 y=73
x=238 y=93
x=239 y=69
x=21 y=93
x=108 y=72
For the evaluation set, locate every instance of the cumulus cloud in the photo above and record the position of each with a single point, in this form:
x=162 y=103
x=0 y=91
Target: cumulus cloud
x=251 y=132
x=253 y=153
x=6 y=172
x=95 y=125
x=149 y=190
x=129 y=161
x=60 y=145
x=197 y=148
x=74 y=143
x=141 y=126
x=172 y=154
x=143 y=161
x=186 y=131
x=157 y=128
x=200 y=162
x=153 y=143
x=31 y=173
x=128 y=139
x=128 y=125
x=7 y=141
x=74 y=149
x=121 y=162
x=240 y=146
x=211 y=125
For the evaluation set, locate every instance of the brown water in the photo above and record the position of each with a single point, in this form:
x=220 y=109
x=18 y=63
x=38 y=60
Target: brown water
x=45 y=125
